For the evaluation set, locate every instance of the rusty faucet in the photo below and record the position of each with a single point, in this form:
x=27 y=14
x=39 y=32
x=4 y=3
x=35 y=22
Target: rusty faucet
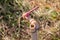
x=33 y=23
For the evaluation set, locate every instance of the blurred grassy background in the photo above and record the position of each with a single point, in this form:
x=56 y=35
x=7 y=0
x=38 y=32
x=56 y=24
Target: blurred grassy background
x=47 y=16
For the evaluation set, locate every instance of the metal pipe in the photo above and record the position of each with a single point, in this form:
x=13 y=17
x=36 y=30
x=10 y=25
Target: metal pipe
x=34 y=28
x=34 y=36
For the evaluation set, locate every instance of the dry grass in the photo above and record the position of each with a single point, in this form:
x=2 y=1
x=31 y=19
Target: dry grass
x=47 y=15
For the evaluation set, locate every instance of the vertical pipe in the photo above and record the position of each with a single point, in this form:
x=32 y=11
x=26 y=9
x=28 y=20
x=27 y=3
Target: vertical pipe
x=34 y=36
x=34 y=29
